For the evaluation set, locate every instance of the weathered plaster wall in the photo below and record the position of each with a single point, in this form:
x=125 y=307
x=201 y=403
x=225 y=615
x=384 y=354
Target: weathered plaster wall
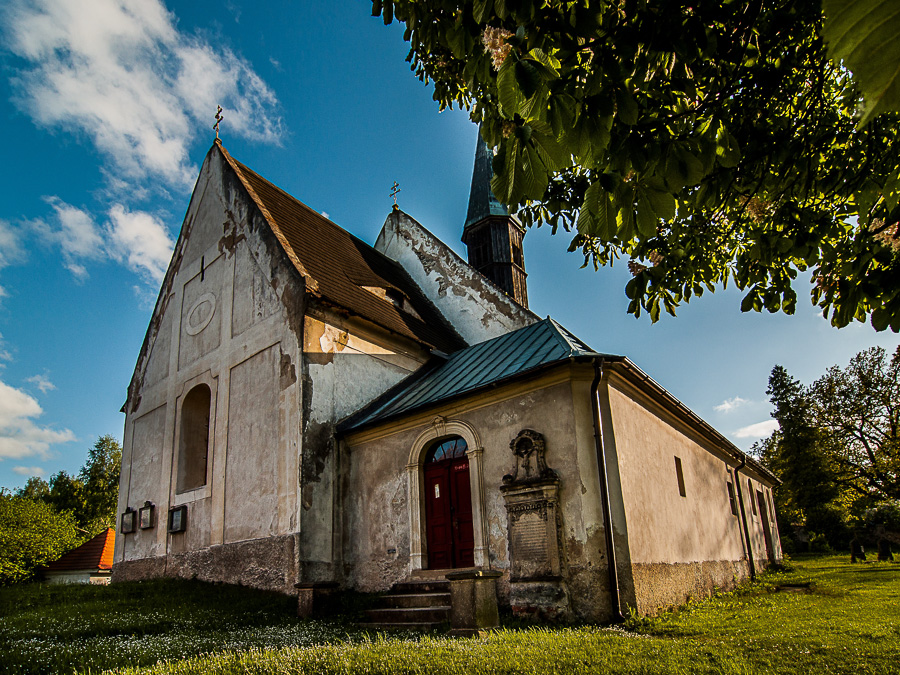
x=476 y=308
x=344 y=367
x=270 y=564
x=757 y=521
x=677 y=546
x=229 y=317
x=377 y=509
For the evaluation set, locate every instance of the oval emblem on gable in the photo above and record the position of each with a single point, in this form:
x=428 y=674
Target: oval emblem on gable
x=200 y=314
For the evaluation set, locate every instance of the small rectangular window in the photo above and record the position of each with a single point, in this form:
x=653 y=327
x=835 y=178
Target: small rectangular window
x=680 y=474
x=750 y=492
x=731 y=498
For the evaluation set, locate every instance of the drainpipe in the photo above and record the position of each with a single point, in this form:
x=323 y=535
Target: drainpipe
x=604 y=494
x=740 y=494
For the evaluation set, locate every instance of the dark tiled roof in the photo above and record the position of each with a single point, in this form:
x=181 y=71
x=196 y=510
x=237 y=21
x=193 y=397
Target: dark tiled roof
x=503 y=358
x=96 y=554
x=338 y=265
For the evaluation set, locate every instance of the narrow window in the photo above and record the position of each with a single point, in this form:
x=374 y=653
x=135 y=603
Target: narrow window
x=517 y=254
x=731 y=499
x=481 y=250
x=750 y=492
x=193 y=446
x=680 y=474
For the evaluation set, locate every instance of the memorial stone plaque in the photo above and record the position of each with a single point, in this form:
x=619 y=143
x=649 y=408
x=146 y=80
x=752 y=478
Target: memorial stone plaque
x=530 y=494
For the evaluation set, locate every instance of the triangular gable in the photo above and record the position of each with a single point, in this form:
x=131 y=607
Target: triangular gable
x=339 y=267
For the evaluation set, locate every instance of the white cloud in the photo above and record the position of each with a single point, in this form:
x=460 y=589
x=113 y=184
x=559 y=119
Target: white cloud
x=42 y=382
x=10 y=244
x=74 y=231
x=730 y=404
x=19 y=435
x=758 y=430
x=10 y=249
x=136 y=239
x=141 y=241
x=30 y=471
x=5 y=355
x=122 y=74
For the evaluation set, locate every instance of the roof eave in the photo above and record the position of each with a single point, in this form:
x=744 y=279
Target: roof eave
x=344 y=427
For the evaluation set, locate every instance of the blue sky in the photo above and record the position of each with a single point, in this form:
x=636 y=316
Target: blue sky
x=106 y=117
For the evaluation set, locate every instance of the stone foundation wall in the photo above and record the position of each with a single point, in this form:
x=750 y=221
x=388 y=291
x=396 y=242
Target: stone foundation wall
x=267 y=564
x=659 y=585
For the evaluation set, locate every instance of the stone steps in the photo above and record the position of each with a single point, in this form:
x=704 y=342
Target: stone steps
x=409 y=600
x=417 y=604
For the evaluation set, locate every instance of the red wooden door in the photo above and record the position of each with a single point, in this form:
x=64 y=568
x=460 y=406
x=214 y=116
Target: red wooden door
x=439 y=525
x=461 y=512
x=448 y=514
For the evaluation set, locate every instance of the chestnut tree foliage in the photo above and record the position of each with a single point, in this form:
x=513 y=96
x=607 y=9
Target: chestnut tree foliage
x=706 y=141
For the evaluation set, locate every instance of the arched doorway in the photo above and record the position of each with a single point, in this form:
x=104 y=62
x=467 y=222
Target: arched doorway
x=448 y=505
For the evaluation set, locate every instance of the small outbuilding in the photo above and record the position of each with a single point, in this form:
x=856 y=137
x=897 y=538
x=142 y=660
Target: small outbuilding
x=90 y=563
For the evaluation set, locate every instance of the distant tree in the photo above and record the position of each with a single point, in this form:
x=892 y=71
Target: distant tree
x=837 y=448
x=32 y=533
x=811 y=483
x=91 y=496
x=67 y=495
x=705 y=141
x=100 y=479
x=35 y=488
x=857 y=409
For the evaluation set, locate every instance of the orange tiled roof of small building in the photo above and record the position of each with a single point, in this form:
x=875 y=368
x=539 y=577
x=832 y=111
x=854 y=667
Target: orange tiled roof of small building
x=96 y=554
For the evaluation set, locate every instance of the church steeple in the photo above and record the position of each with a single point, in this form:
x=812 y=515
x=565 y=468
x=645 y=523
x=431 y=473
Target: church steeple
x=493 y=238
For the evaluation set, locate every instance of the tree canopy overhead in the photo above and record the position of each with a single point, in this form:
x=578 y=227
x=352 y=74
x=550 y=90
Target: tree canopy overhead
x=705 y=141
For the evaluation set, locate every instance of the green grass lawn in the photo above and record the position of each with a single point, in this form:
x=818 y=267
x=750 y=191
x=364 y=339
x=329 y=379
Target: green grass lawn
x=846 y=621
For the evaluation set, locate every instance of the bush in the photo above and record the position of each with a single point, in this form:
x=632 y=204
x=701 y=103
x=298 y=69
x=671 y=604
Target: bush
x=32 y=534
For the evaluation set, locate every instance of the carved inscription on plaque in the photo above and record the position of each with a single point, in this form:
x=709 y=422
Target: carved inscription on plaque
x=530 y=536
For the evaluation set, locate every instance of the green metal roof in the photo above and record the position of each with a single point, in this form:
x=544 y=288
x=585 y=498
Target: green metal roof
x=482 y=202
x=500 y=359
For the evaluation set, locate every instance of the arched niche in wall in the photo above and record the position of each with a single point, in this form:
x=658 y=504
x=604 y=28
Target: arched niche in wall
x=194 y=429
x=440 y=429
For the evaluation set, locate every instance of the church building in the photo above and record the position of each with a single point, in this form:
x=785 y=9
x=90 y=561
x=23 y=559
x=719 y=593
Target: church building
x=308 y=410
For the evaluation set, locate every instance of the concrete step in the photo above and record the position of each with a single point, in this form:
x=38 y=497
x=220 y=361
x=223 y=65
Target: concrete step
x=436 y=575
x=414 y=600
x=400 y=615
x=420 y=587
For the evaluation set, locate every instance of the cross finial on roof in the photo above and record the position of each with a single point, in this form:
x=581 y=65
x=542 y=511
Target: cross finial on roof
x=394 y=190
x=219 y=118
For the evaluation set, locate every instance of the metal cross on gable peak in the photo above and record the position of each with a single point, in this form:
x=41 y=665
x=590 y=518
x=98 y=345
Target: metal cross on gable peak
x=219 y=118
x=395 y=189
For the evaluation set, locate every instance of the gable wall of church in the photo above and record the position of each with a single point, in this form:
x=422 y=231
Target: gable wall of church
x=227 y=325
x=475 y=307
x=345 y=366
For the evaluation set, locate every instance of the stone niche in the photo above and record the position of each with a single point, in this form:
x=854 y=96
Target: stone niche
x=531 y=495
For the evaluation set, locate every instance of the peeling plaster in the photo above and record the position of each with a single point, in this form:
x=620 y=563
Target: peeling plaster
x=479 y=310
